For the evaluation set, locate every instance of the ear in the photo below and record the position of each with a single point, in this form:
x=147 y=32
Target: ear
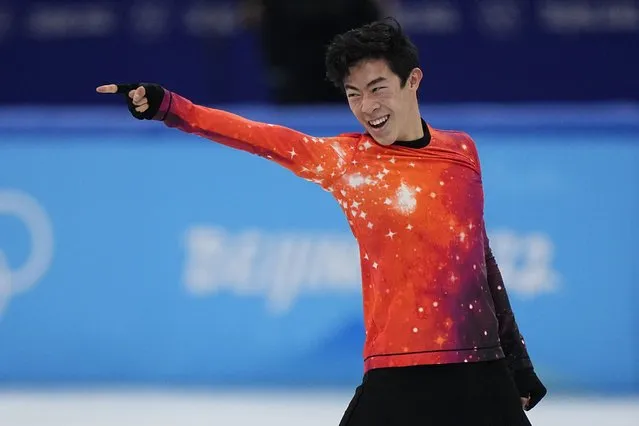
x=414 y=79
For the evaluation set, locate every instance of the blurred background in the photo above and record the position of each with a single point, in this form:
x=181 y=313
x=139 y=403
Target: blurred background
x=150 y=277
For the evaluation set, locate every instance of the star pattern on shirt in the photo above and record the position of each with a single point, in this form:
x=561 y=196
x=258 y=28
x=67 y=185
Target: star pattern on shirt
x=408 y=211
x=414 y=312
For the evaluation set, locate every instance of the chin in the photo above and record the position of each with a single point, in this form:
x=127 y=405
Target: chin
x=385 y=136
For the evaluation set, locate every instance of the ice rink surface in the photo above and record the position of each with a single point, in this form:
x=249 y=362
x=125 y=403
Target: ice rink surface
x=163 y=408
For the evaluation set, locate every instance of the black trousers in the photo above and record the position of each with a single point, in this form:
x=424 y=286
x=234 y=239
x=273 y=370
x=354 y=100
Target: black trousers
x=473 y=394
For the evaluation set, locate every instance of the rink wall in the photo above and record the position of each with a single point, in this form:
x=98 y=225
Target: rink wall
x=133 y=254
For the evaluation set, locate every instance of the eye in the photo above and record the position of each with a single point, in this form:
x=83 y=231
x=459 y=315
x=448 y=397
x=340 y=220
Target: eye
x=377 y=89
x=351 y=95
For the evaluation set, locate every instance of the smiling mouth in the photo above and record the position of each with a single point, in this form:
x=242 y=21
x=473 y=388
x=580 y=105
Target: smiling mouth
x=379 y=123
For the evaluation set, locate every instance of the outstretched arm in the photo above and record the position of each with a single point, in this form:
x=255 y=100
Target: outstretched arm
x=529 y=386
x=320 y=160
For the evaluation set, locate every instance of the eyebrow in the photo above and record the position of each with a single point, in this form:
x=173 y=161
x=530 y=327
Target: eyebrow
x=372 y=83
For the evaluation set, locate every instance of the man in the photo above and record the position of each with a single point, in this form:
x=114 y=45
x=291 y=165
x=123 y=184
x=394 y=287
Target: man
x=442 y=345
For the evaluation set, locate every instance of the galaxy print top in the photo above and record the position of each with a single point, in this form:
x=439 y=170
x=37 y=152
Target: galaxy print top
x=432 y=292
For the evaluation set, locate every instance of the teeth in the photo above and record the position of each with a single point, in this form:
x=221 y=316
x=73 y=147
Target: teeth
x=378 y=121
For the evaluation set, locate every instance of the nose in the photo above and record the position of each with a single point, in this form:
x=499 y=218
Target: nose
x=369 y=105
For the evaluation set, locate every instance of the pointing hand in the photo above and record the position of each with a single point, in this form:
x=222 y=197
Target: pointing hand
x=143 y=99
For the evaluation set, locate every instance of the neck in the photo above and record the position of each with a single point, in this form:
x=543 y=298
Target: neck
x=413 y=128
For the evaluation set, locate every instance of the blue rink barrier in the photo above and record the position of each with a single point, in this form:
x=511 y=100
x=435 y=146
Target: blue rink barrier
x=133 y=254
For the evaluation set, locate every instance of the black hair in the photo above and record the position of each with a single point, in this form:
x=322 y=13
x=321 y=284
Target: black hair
x=378 y=40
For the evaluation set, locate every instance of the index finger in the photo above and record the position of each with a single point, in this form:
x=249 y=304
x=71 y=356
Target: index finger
x=107 y=88
x=113 y=88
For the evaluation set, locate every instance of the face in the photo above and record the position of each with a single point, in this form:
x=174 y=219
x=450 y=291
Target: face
x=387 y=111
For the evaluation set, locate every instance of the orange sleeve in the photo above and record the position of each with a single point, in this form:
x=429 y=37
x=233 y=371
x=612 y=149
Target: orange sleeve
x=320 y=160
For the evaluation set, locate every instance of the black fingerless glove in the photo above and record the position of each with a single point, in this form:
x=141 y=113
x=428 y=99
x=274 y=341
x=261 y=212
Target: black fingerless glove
x=529 y=386
x=154 y=95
